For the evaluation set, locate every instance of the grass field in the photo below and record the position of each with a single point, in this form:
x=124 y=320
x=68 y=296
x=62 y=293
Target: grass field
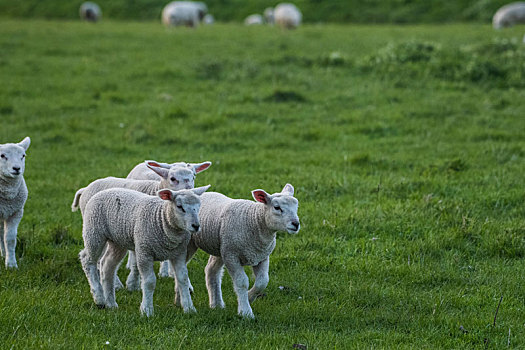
x=405 y=144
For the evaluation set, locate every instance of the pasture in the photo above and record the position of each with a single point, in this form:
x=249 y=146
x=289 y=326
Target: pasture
x=405 y=144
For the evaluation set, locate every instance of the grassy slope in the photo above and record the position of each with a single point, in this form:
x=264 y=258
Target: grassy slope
x=410 y=189
x=376 y=11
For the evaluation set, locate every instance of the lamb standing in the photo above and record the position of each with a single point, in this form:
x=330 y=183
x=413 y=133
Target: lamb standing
x=142 y=172
x=13 y=196
x=188 y=13
x=509 y=15
x=89 y=11
x=156 y=228
x=237 y=233
x=287 y=16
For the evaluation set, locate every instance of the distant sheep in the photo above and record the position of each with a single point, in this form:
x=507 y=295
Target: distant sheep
x=255 y=19
x=509 y=15
x=287 y=16
x=237 y=233
x=13 y=196
x=155 y=227
x=89 y=11
x=269 y=15
x=208 y=19
x=184 y=13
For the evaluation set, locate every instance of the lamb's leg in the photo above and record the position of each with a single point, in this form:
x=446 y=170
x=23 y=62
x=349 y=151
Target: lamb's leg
x=133 y=281
x=118 y=283
x=261 y=279
x=181 y=283
x=240 y=285
x=214 y=270
x=93 y=246
x=147 y=275
x=10 y=232
x=164 y=269
x=190 y=252
x=2 y=246
x=112 y=258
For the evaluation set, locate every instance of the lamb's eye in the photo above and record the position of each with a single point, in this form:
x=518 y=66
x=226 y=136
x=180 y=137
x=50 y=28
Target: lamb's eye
x=23 y=156
x=277 y=208
x=181 y=208
x=3 y=156
x=173 y=179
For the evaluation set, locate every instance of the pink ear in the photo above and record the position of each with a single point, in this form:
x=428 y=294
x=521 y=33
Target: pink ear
x=165 y=194
x=201 y=167
x=153 y=164
x=260 y=196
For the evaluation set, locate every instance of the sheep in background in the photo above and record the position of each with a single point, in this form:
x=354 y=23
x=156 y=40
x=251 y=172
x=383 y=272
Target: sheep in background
x=287 y=16
x=268 y=15
x=255 y=19
x=89 y=11
x=188 y=13
x=142 y=172
x=208 y=19
x=156 y=228
x=13 y=196
x=509 y=15
x=237 y=233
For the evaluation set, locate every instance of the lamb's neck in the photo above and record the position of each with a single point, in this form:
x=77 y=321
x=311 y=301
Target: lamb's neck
x=263 y=234
x=168 y=219
x=10 y=187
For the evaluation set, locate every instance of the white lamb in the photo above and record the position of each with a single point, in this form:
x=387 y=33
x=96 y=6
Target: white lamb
x=142 y=172
x=89 y=11
x=287 y=16
x=156 y=228
x=13 y=196
x=255 y=19
x=188 y=13
x=237 y=233
x=268 y=15
x=509 y=15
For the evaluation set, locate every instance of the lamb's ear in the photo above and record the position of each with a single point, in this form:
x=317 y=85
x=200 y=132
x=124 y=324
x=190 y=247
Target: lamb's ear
x=166 y=194
x=25 y=143
x=198 y=167
x=261 y=196
x=162 y=172
x=200 y=190
x=288 y=189
x=158 y=164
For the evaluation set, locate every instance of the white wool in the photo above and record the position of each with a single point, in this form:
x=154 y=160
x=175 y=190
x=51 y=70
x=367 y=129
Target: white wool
x=287 y=16
x=90 y=11
x=155 y=227
x=13 y=195
x=509 y=15
x=187 y=13
x=237 y=233
x=255 y=19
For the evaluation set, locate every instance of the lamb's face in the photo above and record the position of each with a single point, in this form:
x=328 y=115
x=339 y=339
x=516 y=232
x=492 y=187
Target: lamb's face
x=281 y=209
x=187 y=206
x=181 y=178
x=12 y=160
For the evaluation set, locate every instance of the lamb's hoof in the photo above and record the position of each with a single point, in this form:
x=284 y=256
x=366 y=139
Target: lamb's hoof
x=112 y=305
x=219 y=305
x=146 y=310
x=247 y=315
x=190 y=310
x=11 y=265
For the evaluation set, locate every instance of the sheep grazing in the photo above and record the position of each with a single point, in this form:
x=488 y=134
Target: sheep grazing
x=142 y=172
x=237 y=233
x=509 y=15
x=89 y=11
x=184 y=13
x=155 y=227
x=13 y=196
x=287 y=16
x=253 y=20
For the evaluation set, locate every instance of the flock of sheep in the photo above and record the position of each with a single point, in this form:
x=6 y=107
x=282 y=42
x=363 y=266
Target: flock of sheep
x=157 y=214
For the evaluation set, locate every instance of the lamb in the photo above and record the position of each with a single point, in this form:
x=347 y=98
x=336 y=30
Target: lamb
x=509 y=15
x=255 y=19
x=287 y=16
x=155 y=227
x=188 y=13
x=268 y=15
x=237 y=233
x=142 y=172
x=13 y=196
x=89 y=11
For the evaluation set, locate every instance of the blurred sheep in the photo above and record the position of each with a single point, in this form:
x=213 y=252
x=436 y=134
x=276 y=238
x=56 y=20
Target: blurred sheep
x=255 y=19
x=187 y=13
x=509 y=15
x=287 y=16
x=89 y=11
x=208 y=19
x=268 y=15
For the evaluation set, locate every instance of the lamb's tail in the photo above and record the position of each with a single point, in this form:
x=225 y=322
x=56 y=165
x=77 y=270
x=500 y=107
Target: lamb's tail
x=76 y=200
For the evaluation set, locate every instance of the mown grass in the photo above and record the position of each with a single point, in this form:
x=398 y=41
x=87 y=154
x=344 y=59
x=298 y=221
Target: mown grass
x=409 y=181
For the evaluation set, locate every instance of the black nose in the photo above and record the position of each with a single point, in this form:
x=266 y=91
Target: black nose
x=17 y=169
x=295 y=224
x=195 y=227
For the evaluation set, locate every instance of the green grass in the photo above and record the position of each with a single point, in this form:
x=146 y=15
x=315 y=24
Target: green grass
x=408 y=169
